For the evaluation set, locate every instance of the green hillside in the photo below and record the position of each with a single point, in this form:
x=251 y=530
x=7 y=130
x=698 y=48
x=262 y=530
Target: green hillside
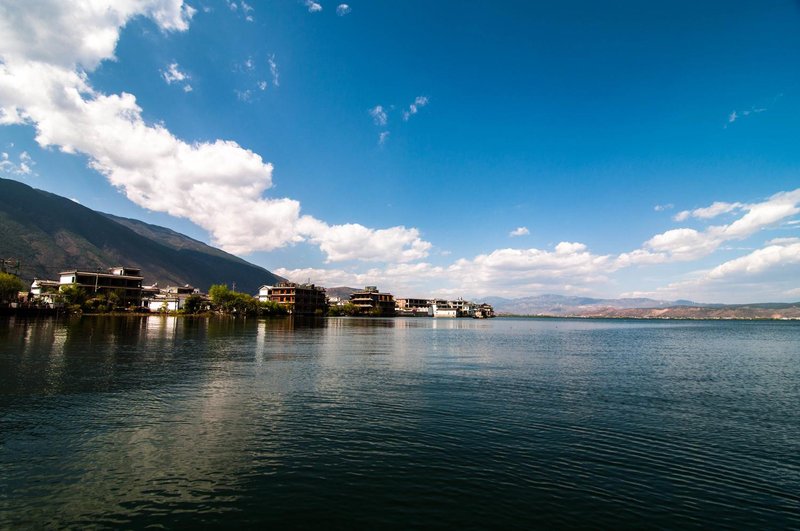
x=48 y=233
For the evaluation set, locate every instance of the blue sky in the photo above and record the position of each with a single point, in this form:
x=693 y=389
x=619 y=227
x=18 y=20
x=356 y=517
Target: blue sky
x=450 y=148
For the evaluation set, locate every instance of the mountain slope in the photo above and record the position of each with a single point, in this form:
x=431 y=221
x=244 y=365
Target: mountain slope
x=48 y=233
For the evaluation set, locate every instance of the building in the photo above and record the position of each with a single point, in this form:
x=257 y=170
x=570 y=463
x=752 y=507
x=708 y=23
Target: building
x=44 y=291
x=442 y=310
x=124 y=281
x=372 y=302
x=299 y=299
x=169 y=299
x=412 y=307
x=263 y=293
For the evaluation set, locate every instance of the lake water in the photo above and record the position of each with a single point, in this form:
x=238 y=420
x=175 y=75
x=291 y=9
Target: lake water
x=398 y=423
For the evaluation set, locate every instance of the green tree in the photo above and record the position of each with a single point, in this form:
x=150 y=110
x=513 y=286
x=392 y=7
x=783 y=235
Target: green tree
x=194 y=303
x=10 y=285
x=220 y=296
x=73 y=296
x=269 y=308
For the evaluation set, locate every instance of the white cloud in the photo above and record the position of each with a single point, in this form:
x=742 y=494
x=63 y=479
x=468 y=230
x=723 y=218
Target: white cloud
x=262 y=85
x=379 y=115
x=717 y=208
x=759 y=261
x=661 y=208
x=173 y=74
x=382 y=137
x=244 y=95
x=247 y=9
x=343 y=9
x=313 y=7
x=22 y=168
x=419 y=102
x=689 y=244
x=519 y=231
x=352 y=241
x=83 y=34
x=273 y=69
x=249 y=64
x=216 y=184
x=736 y=115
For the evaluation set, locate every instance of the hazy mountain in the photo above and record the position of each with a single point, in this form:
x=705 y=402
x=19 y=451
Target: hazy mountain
x=560 y=305
x=570 y=305
x=48 y=233
x=343 y=292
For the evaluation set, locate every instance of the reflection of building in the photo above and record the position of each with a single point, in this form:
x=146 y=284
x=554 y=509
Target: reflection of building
x=125 y=281
x=371 y=301
x=299 y=299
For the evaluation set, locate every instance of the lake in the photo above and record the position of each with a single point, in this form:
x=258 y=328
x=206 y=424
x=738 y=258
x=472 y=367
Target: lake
x=399 y=423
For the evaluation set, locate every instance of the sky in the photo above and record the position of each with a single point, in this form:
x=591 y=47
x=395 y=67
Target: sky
x=451 y=149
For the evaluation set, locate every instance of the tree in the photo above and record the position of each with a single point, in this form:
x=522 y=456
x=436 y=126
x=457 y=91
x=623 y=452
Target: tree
x=268 y=308
x=220 y=295
x=10 y=286
x=73 y=296
x=194 y=303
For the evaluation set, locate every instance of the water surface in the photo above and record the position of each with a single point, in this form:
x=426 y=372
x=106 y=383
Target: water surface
x=366 y=423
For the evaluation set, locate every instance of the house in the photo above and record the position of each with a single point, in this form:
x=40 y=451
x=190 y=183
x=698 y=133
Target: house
x=124 y=281
x=170 y=299
x=411 y=307
x=299 y=299
x=44 y=291
x=370 y=301
x=263 y=293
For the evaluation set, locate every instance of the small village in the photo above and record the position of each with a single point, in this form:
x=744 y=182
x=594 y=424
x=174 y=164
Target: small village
x=122 y=288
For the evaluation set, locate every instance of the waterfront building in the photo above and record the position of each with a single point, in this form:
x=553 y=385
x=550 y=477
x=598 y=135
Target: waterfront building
x=442 y=310
x=263 y=293
x=370 y=301
x=169 y=299
x=299 y=299
x=411 y=307
x=125 y=281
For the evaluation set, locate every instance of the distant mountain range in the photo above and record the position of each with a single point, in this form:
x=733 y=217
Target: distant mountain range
x=566 y=306
x=48 y=233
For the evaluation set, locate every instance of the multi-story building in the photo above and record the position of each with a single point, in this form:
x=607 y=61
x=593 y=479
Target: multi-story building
x=372 y=302
x=125 y=281
x=299 y=299
x=412 y=307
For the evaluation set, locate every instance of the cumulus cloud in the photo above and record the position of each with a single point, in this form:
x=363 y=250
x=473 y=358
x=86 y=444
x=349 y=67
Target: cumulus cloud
x=506 y=271
x=218 y=184
x=419 y=102
x=519 y=231
x=343 y=9
x=775 y=255
x=313 y=7
x=689 y=244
